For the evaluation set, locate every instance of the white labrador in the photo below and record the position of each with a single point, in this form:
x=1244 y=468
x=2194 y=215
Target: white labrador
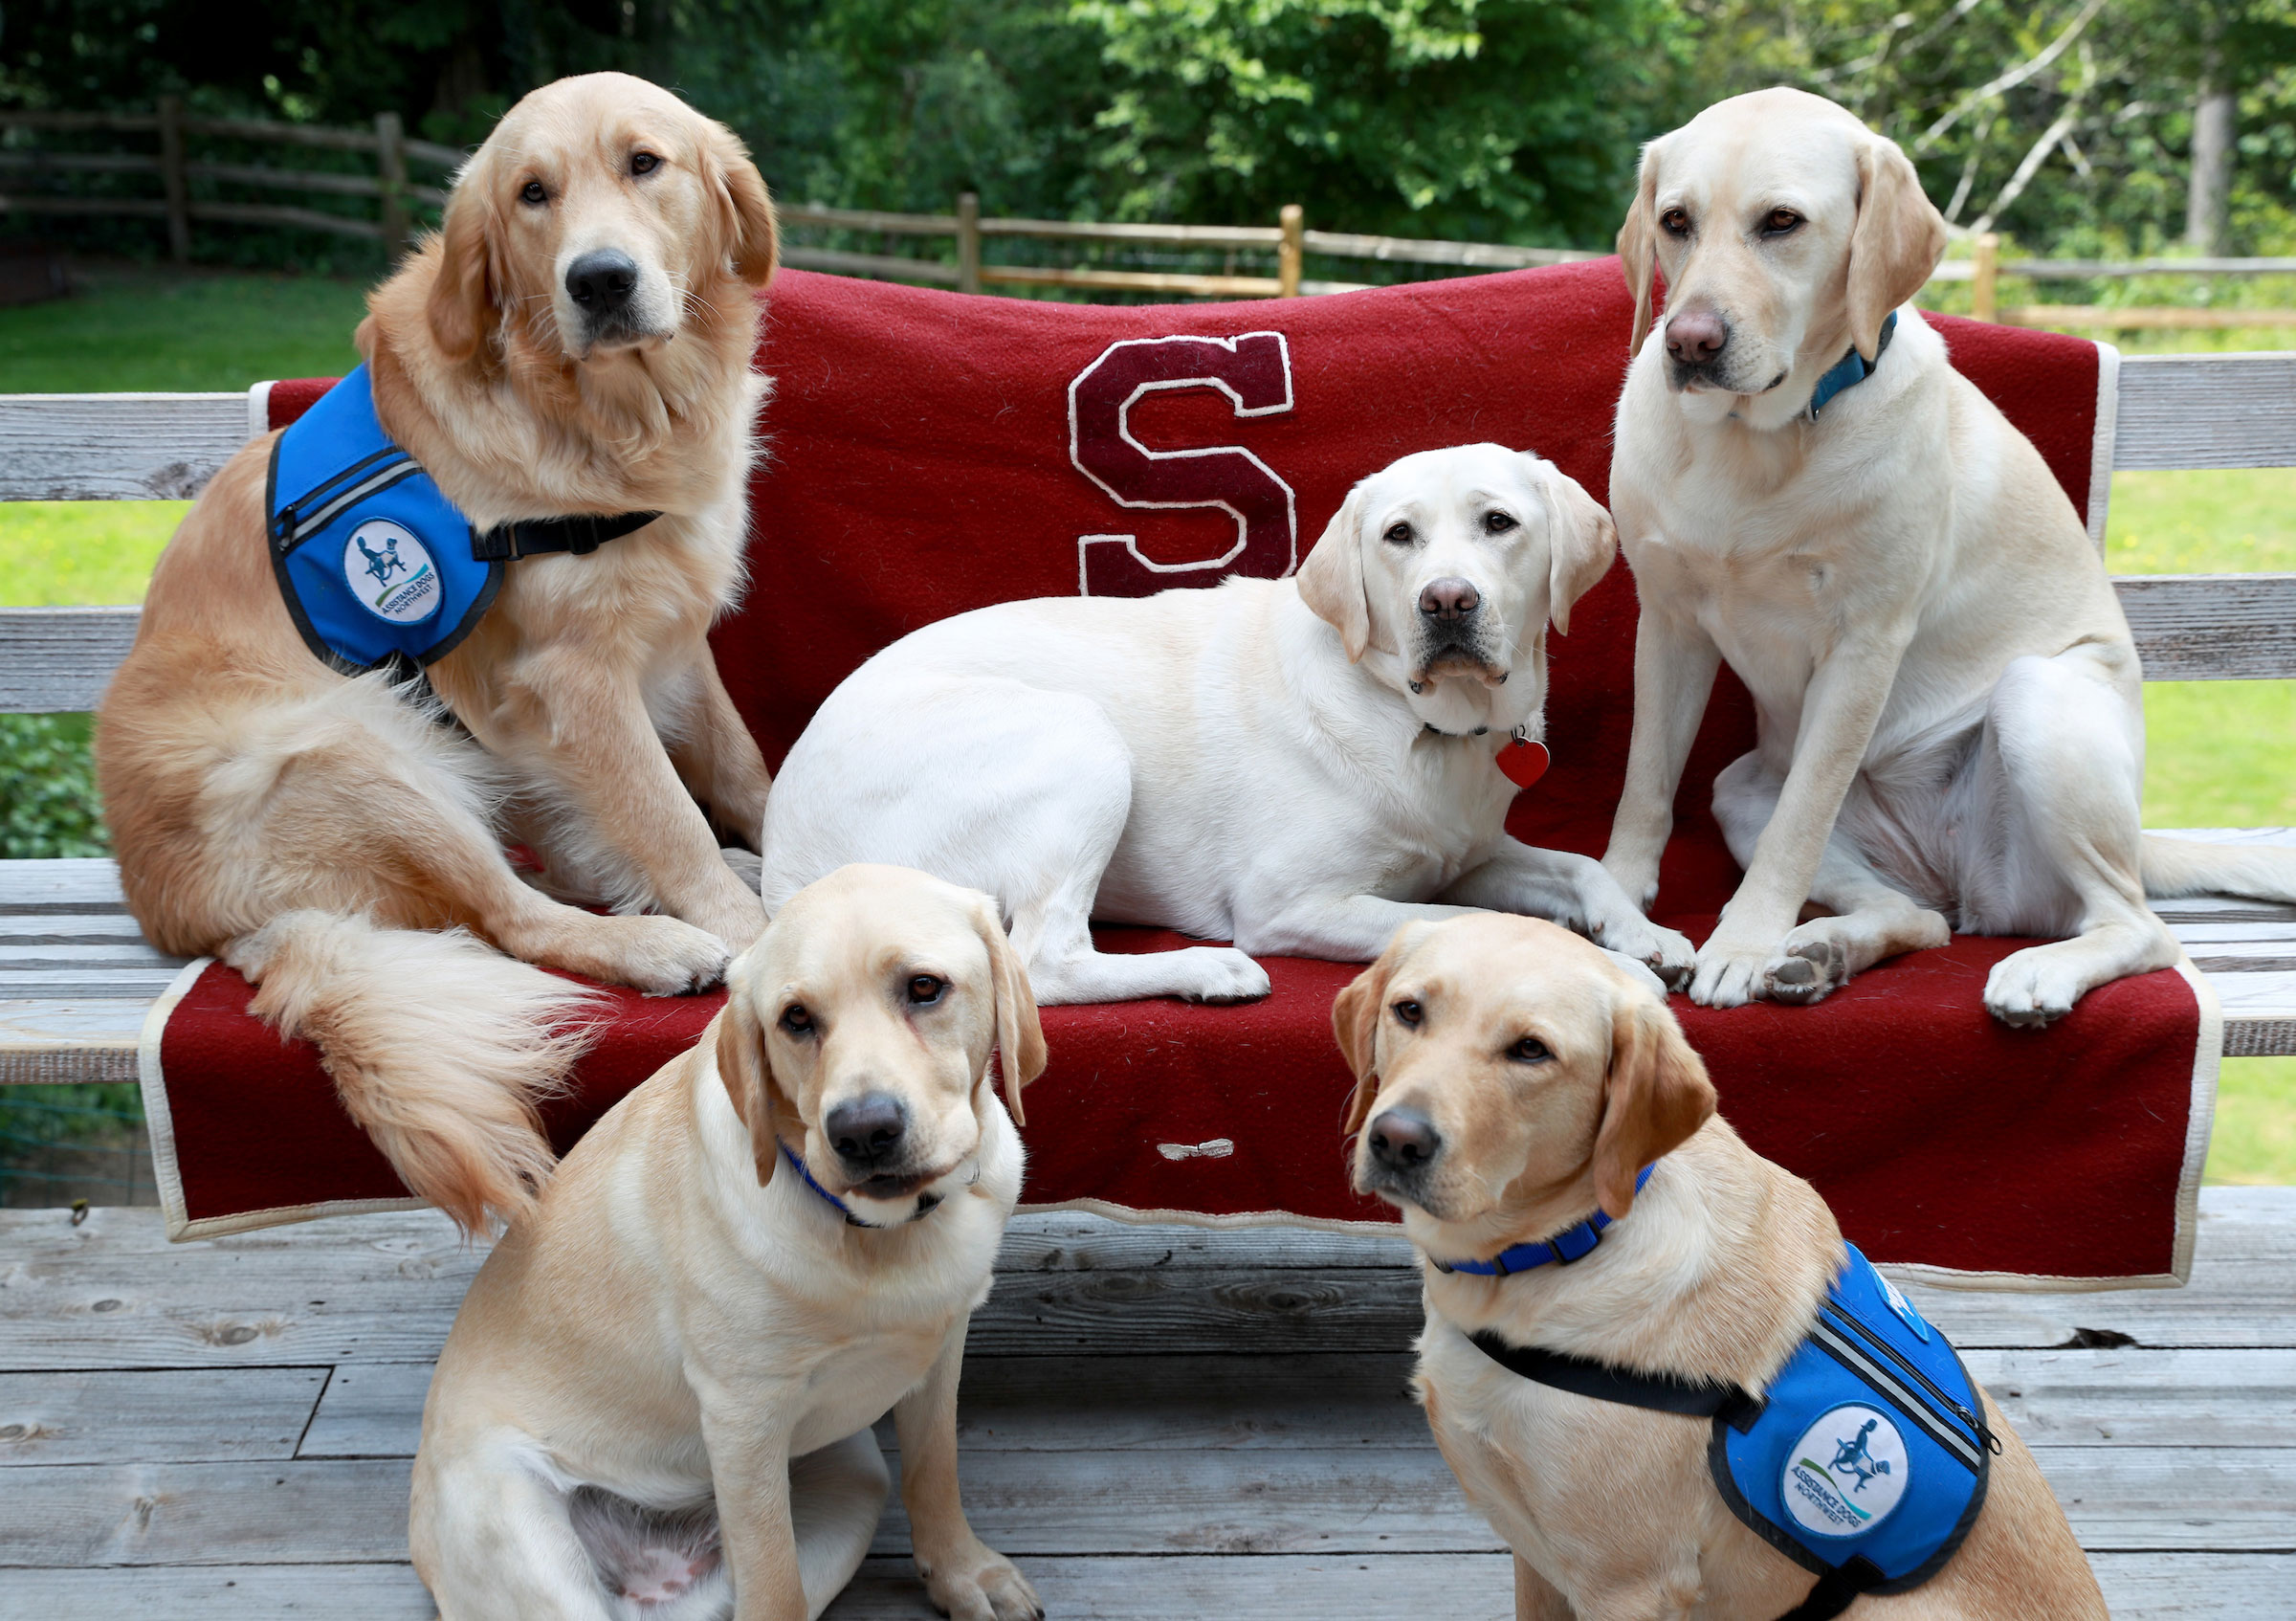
x=656 y=1399
x=1299 y=765
x=1950 y=728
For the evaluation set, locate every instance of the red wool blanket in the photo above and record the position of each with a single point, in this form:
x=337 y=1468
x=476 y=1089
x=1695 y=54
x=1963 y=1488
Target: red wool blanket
x=932 y=452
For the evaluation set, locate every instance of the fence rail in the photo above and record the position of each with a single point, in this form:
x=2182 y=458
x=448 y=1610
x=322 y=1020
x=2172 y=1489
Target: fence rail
x=387 y=142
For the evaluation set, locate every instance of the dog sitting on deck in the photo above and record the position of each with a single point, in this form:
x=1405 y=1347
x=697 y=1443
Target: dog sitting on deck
x=656 y=1399
x=1649 y=1357
x=567 y=366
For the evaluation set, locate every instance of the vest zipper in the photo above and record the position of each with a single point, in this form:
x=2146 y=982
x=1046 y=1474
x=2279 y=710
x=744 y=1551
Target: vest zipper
x=1976 y=1427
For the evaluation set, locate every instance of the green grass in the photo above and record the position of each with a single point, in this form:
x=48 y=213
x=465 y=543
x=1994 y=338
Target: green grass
x=2220 y=752
x=137 y=329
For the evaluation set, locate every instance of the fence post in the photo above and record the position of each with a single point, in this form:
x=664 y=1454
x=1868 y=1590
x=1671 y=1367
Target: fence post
x=1290 y=252
x=1984 y=301
x=390 y=167
x=968 y=241
x=171 y=178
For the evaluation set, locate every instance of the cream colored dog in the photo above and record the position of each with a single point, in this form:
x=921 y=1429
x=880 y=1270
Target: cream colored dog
x=1298 y=765
x=1951 y=733
x=656 y=1399
x=576 y=341
x=1510 y=1082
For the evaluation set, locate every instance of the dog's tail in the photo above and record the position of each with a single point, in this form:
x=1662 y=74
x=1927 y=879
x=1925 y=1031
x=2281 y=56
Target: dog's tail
x=2182 y=866
x=439 y=1046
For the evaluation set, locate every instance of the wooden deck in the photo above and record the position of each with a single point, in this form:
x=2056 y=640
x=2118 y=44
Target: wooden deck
x=1157 y=1422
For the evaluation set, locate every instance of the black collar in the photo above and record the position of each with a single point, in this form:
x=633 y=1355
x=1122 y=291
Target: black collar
x=534 y=537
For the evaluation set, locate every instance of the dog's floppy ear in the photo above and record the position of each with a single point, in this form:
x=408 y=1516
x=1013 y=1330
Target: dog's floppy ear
x=463 y=306
x=1638 y=244
x=752 y=236
x=747 y=1072
x=1020 y=1053
x=1656 y=1095
x=1331 y=581
x=1580 y=545
x=1895 y=244
x=1356 y=1022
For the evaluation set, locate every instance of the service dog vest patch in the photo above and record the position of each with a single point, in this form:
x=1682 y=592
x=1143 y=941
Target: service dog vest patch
x=377 y=567
x=1868 y=1455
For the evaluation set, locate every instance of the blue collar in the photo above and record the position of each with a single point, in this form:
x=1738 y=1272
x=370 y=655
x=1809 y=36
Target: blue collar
x=834 y=1203
x=1852 y=369
x=1572 y=1243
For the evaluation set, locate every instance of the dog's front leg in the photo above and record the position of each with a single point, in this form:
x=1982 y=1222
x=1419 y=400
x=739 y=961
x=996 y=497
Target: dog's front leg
x=1674 y=666
x=966 y=1579
x=749 y=1473
x=1579 y=893
x=1536 y=1598
x=718 y=760
x=589 y=726
x=1839 y=709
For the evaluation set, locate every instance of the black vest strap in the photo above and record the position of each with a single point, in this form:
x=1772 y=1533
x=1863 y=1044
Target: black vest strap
x=532 y=537
x=1837 y=1591
x=1659 y=1392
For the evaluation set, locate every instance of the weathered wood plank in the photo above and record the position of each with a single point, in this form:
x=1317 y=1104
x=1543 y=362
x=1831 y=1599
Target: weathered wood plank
x=227 y=1592
x=288 y=1512
x=2212 y=627
x=385 y=1288
x=2206 y=411
x=2137 y=1397
x=116 y=447
x=61 y=885
x=60 y=1041
x=178 y=1416
x=58 y=661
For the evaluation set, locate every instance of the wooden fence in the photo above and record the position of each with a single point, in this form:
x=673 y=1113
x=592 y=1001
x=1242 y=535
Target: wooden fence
x=968 y=268
x=398 y=198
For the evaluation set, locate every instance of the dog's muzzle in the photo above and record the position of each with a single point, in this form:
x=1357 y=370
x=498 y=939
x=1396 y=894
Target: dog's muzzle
x=606 y=287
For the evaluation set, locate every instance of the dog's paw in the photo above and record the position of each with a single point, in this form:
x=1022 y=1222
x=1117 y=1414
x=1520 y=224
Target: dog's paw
x=1222 y=975
x=1810 y=966
x=1729 y=972
x=2031 y=988
x=1668 y=954
x=979 y=1585
x=660 y=956
x=1638 y=969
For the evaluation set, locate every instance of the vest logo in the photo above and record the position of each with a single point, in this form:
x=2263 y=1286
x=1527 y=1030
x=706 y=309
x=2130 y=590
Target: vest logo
x=391 y=573
x=1846 y=1474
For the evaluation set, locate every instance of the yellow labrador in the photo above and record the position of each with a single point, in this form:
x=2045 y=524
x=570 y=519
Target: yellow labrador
x=656 y=1399
x=1510 y=1083
x=576 y=341
x=1950 y=725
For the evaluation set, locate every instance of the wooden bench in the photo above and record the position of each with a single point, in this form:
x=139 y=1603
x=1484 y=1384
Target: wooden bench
x=76 y=976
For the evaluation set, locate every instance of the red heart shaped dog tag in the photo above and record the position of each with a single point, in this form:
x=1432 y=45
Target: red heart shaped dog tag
x=1523 y=762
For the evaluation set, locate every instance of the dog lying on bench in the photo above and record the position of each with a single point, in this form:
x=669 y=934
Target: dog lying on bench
x=661 y=1384
x=567 y=361
x=1298 y=765
x=1649 y=1358
x=1951 y=727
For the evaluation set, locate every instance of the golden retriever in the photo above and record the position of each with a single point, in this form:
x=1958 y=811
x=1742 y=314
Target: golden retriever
x=660 y=1385
x=328 y=835
x=1951 y=721
x=1512 y=1079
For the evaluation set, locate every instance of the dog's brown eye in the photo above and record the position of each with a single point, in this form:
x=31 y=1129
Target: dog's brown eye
x=532 y=193
x=1676 y=222
x=1780 y=221
x=1398 y=534
x=644 y=162
x=1529 y=1051
x=1498 y=523
x=797 y=1020
x=925 y=988
x=1409 y=1013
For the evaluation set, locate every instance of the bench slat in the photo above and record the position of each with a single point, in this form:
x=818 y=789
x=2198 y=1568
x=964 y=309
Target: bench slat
x=2206 y=411
x=116 y=447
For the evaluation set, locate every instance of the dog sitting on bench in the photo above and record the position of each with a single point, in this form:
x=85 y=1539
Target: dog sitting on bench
x=1648 y=1357
x=1298 y=765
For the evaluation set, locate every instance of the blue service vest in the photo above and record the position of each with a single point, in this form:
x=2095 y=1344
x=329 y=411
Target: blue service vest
x=377 y=567
x=1869 y=1444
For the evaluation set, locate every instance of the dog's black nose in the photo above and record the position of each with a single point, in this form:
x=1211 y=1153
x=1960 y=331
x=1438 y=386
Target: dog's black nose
x=1404 y=1139
x=601 y=282
x=1695 y=337
x=867 y=1129
x=1450 y=599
